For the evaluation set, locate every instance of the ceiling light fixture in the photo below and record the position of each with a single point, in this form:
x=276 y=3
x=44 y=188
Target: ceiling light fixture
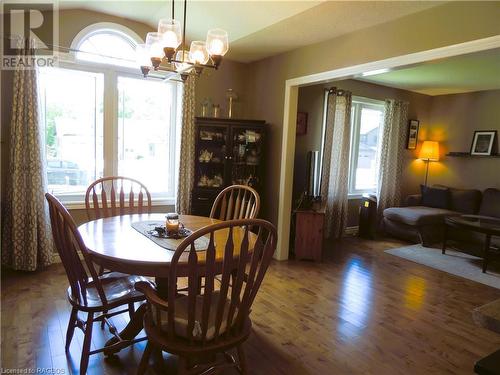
x=165 y=50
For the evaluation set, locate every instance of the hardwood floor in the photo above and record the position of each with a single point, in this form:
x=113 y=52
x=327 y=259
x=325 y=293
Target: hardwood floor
x=361 y=311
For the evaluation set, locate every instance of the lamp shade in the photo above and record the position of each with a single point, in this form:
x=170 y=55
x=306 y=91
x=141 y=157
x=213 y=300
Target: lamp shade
x=182 y=55
x=217 y=42
x=142 y=55
x=429 y=151
x=154 y=44
x=171 y=32
x=198 y=53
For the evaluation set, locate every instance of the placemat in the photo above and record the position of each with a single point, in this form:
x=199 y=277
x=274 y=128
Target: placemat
x=144 y=227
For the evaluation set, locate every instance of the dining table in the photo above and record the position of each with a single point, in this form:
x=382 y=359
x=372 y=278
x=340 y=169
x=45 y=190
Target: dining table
x=116 y=244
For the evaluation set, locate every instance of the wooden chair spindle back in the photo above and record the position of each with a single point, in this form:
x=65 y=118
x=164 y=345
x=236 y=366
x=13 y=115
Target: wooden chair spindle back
x=237 y=289
x=69 y=243
x=116 y=195
x=236 y=202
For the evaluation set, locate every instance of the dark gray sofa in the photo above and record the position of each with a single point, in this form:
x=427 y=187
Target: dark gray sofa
x=417 y=223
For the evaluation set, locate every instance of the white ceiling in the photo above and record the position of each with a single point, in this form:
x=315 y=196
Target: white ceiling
x=466 y=73
x=258 y=28
x=325 y=21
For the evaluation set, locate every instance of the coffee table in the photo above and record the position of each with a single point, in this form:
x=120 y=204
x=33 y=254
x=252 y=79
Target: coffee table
x=489 y=226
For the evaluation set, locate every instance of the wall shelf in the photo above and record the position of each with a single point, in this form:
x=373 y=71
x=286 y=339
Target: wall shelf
x=461 y=155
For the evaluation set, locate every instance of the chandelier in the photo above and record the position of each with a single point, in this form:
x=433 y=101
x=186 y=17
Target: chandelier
x=165 y=50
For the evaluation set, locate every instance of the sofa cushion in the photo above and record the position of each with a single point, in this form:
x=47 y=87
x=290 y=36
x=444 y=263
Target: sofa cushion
x=436 y=197
x=418 y=215
x=413 y=200
x=490 y=205
x=466 y=201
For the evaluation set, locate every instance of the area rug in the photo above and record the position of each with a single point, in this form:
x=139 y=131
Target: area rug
x=454 y=262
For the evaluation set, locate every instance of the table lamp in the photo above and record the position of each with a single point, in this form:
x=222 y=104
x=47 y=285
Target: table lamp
x=429 y=152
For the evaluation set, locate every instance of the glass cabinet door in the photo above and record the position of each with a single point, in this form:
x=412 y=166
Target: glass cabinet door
x=247 y=144
x=211 y=156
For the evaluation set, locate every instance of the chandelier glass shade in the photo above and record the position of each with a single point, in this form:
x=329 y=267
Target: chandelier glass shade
x=171 y=31
x=182 y=55
x=165 y=50
x=198 y=53
x=217 y=42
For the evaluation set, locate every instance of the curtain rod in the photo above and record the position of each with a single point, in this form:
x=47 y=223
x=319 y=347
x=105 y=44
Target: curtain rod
x=69 y=49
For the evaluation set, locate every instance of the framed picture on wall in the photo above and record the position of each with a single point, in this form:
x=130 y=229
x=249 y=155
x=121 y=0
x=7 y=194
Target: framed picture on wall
x=301 y=123
x=411 y=143
x=483 y=142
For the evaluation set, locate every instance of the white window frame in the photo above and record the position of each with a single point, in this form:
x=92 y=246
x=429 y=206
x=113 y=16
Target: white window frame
x=100 y=27
x=110 y=108
x=174 y=119
x=358 y=103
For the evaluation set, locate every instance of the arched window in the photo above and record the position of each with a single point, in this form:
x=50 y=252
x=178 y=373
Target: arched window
x=107 y=43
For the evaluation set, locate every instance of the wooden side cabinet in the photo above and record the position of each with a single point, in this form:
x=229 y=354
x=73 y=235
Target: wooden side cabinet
x=309 y=227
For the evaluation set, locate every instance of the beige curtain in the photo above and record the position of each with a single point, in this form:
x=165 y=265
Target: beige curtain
x=26 y=237
x=335 y=175
x=186 y=160
x=392 y=154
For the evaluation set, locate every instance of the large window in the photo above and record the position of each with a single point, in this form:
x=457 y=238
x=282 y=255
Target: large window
x=146 y=135
x=104 y=119
x=366 y=124
x=73 y=116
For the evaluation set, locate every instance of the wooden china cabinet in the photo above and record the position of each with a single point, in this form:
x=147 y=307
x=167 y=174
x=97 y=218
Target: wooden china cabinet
x=228 y=152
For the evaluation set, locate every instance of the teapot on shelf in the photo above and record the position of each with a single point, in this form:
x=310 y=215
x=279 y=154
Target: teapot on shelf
x=205 y=156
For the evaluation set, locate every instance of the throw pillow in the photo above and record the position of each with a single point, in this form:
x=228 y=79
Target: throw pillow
x=435 y=197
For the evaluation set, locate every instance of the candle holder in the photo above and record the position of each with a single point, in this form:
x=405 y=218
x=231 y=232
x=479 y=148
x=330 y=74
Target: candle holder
x=216 y=111
x=172 y=224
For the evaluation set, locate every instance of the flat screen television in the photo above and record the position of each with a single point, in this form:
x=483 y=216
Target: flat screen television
x=313 y=188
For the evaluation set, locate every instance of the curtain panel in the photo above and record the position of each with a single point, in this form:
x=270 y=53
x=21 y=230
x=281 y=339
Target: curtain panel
x=335 y=174
x=187 y=149
x=26 y=238
x=392 y=154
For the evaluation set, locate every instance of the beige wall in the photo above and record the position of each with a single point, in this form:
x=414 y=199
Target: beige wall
x=454 y=118
x=451 y=23
x=214 y=84
x=311 y=101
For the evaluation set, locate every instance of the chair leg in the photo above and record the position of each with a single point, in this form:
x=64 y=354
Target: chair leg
x=131 y=309
x=71 y=327
x=144 y=364
x=158 y=359
x=84 y=362
x=242 y=359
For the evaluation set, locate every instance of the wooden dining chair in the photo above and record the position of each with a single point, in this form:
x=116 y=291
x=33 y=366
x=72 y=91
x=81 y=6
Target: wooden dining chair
x=92 y=294
x=236 y=202
x=196 y=325
x=116 y=195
